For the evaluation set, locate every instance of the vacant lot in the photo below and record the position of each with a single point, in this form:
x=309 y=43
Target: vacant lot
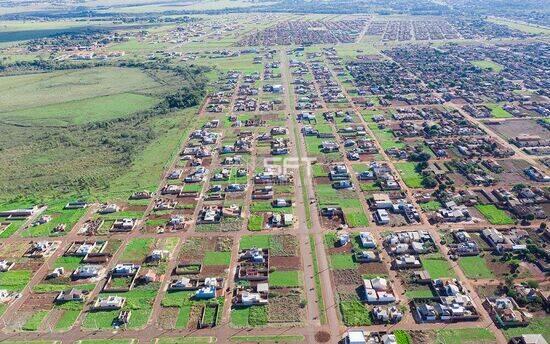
x=475 y=267
x=408 y=173
x=494 y=215
x=42 y=90
x=437 y=266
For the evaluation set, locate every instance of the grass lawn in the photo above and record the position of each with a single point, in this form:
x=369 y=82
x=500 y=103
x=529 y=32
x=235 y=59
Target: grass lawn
x=342 y=261
x=33 y=323
x=488 y=65
x=15 y=280
x=494 y=215
x=186 y=340
x=217 y=258
x=259 y=241
x=137 y=250
x=257 y=316
x=83 y=111
x=69 y=262
x=497 y=111
x=430 y=206
x=255 y=223
x=385 y=137
x=475 y=267
x=139 y=300
x=66 y=320
x=354 y=313
x=402 y=337
x=183 y=317
x=239 y=316
x=13 y=227
x=267 y=339
x=418 y=293
x=68 y=217
x=537 y=325
x=105 y=341
x=408 y=173
x=285 y=279
x=437 y=266
x=465 y=335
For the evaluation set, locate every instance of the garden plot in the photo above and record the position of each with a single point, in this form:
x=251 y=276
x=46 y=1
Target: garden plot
x=285 y=302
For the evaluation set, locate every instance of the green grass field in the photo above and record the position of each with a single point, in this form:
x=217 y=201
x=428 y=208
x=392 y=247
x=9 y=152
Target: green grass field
x=408 y=173
x=488 y=65
x=83 y=111
x=137 y=250
x=217 y=258
x=139 y=300
x=354 y=313
x=284 y=279
x=475 y=267
x=465 y=335
x=342 y=261
x=497 y=111
x=494 y=215
x=60 y=87
x=437 y=266
x=537 y=325
x=15 y=280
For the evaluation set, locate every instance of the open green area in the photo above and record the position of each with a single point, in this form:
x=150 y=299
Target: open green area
x=217 y=258
x=255 y=222
x=186 y=340
x=494 y=215
x=430 y=206
x=536 y=325
x=138 y=300
x=267 y=339
x=475 y=267
x=464 y=335
x=497 y=111
x=354 y=313
x=96 y=133
x=60 y=217
x=408 y=171
x=385 y=137
x=137 y=250
x=81 y=111
x=33 y=323
x=285 y=279
x=403 y=337
x=15 y=280
x=437 y=266
x=524 y=27
x=345 y=199
x=488 y=65
x=251 y=316
x=342 y=261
